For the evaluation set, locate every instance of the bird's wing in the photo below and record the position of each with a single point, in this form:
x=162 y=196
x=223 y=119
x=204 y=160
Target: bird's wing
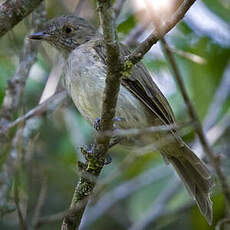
x=140 y=83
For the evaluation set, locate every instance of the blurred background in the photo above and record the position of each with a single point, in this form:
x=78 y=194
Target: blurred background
x=137 y=191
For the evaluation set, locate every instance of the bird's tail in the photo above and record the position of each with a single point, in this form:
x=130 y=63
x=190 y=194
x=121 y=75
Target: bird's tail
x=196 y=178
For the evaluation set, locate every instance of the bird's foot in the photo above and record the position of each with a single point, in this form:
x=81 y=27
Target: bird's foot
x=98 y=121
x=115 y=139
x=108 y=159
x=96 y=124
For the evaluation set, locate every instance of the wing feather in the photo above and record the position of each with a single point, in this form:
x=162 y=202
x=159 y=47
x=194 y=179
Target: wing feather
x=141 y=84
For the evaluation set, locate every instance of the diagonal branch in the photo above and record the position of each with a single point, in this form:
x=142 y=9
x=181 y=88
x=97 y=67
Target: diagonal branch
x=22 y=222
x=11 y=104
x=15 y=88
x=12 y=12
x=40 y=202
x=48 y=105
x=146 y=45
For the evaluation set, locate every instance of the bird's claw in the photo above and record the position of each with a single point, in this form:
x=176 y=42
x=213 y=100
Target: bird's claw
x=96 y=124
x=98 y=120
x=114 y=140
x=108 y=159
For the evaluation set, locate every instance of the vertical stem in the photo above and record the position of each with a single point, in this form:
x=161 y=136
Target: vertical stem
x=192 y=112
x=95 y=161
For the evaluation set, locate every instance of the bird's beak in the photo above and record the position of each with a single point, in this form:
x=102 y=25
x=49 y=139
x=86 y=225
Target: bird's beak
x=39 y=36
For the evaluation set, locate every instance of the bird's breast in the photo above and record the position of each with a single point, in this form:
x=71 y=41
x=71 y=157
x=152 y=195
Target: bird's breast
x=85 y=80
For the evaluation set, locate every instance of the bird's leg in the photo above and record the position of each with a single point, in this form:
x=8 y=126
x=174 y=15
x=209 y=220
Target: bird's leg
x=98 y=120
x=96 y=124
x=114 y=140
x=108 y=159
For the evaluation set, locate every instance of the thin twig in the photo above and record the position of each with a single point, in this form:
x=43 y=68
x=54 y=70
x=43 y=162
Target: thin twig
x=192 y=112
x=49 y=105
x=146 y=45
x=190 y=56
x=17 y=203
x=40 y=202
x=50 y=219
x=15 y=88
x=152 y=129
x=12 y=101
x=132 y=41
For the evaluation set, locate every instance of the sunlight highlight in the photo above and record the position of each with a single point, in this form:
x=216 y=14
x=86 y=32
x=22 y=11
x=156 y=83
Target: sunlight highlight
x=157 y=10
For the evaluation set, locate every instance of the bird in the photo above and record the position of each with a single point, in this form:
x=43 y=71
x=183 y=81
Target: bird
x=140 y=102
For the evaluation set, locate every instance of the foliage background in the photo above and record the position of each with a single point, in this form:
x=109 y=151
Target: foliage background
x=136 y=185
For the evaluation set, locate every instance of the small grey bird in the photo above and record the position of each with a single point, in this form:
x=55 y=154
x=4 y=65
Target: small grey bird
x=140 y=102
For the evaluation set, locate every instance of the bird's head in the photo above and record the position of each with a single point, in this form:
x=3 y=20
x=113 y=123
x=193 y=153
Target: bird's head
x=66 y=32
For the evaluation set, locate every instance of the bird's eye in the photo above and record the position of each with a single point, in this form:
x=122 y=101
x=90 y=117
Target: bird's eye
x=67 y=29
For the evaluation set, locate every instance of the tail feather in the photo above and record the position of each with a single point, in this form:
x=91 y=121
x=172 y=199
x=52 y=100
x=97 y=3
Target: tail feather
x=196 y=177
